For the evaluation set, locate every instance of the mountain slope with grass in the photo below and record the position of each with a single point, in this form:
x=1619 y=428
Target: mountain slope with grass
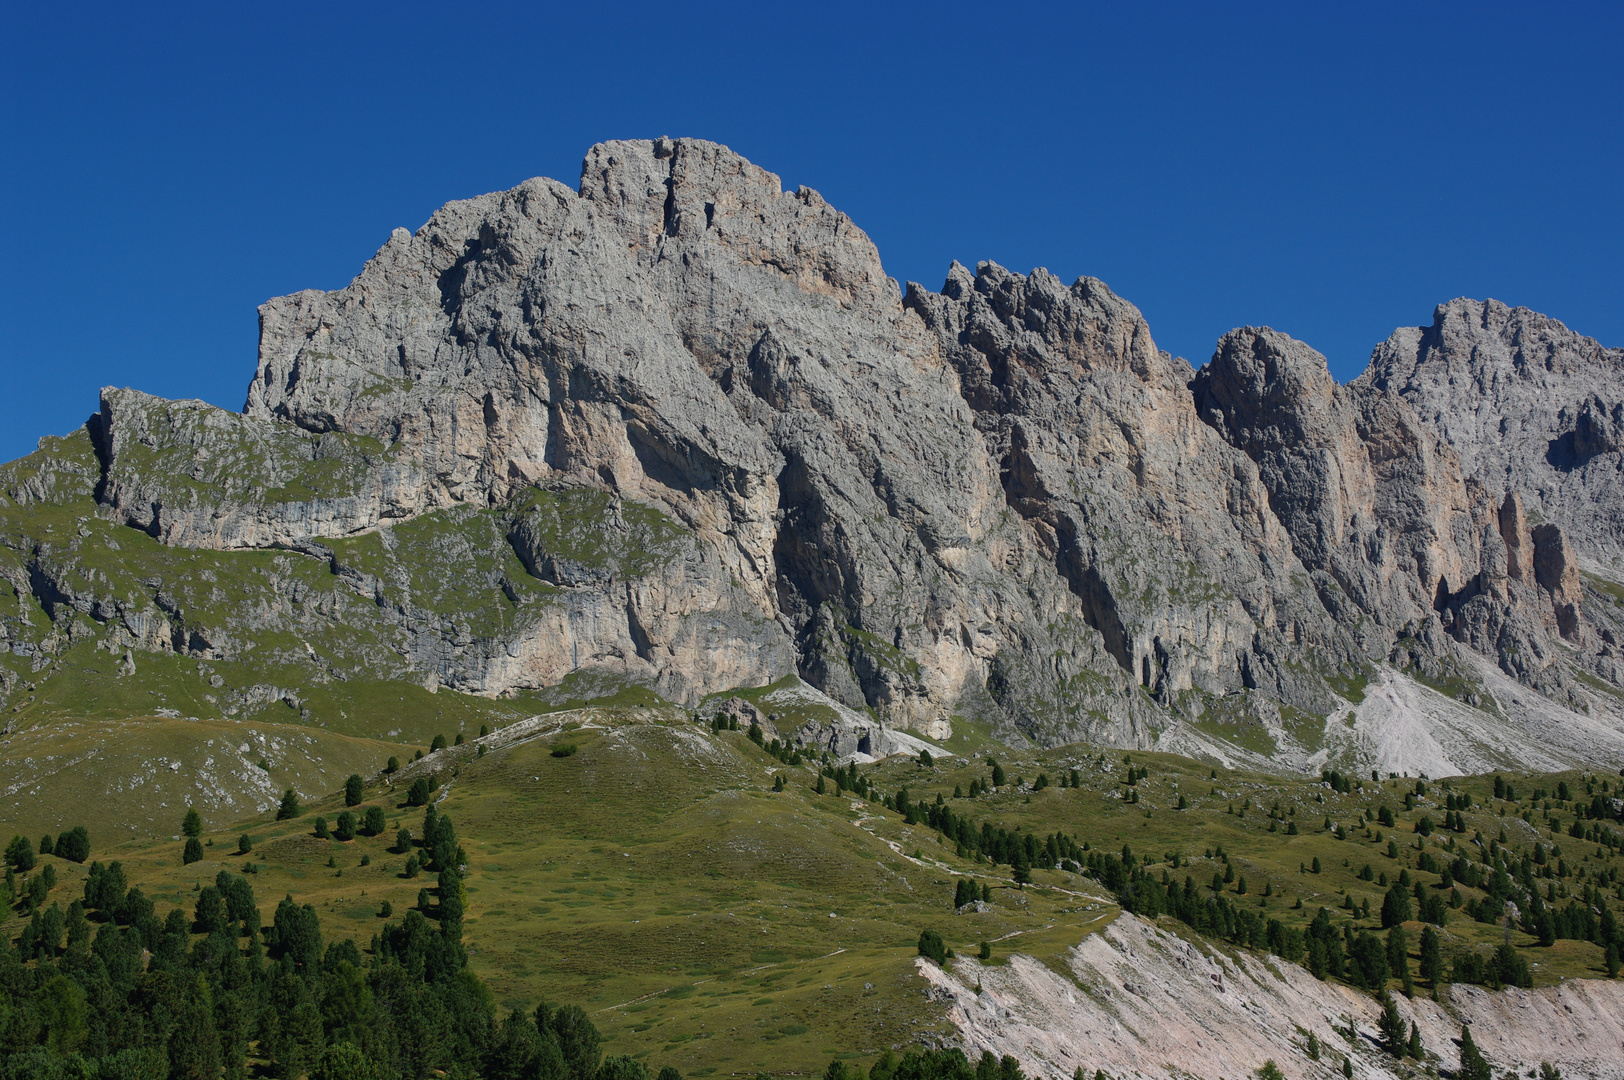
x=693 y=891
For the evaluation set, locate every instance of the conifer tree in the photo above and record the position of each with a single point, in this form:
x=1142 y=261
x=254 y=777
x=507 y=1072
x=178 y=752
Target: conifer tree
x=353 y=790
x=192 y=824
x=289 y=807
x=1395 y=1036
x=1472 y=1064
x=932 y=947
x=192 y=852
x=73 y=845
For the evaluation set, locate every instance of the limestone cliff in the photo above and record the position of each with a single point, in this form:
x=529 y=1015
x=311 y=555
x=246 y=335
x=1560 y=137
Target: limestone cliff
x=676 y=427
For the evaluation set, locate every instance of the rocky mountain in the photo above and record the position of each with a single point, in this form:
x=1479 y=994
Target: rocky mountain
x=676 y=428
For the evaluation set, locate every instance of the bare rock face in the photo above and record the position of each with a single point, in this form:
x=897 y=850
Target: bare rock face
x=1529 y=407
x=1376 y=500
x=684 y=425
x=1161 y=532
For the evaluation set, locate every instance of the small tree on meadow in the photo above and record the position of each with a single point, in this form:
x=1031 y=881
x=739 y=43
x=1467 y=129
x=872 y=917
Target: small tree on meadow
x=345 y=829
x=20 y=854
x=191 y=824
x=192 y=852
x=372 y=821
x=74 y=845
x=353 y=790
x=289 y=807
x=932 y=947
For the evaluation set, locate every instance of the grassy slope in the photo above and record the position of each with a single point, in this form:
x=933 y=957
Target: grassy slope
x=654 y=877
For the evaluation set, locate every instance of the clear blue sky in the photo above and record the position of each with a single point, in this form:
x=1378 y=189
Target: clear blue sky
x=1330 y=170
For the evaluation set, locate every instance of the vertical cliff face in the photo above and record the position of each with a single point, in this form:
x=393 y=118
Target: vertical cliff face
x=1162 y=533
x=1380 y=501
x=997 y=500
x=1530 y=408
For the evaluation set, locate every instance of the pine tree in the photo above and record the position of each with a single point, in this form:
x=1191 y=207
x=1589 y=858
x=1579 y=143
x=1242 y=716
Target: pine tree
x=244 y=844
x=1395 y=1036
x=437 y=745
x=998 y=778
x=1472 y=1065
x=73 y=845
x=192 y=852
x=353 y=790
x=345 y=829
x=289 y=807
x=1432 y=956
x=1395 y=907
x=191 y=824
x=372 y=821
x=1021 y=869
x=418 y=794
x=20 y=854
x=210 y=913
x=1415 y=1049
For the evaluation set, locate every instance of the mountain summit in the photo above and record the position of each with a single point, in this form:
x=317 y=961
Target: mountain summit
x=676 y=428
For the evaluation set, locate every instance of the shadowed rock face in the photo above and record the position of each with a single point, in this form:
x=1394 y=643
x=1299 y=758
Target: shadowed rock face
x=997 y=500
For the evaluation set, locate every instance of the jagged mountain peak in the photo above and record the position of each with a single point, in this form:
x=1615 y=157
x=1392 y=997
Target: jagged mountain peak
x=999 y=500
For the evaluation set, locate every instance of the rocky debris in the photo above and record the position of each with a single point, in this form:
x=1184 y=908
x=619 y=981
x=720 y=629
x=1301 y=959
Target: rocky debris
x=1528 y=406
x=744 y=713
x=861 y=742
x=1144 y=1002
x=676 y=427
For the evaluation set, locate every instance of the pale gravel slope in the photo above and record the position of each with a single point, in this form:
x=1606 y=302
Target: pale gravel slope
x=1147 y=1003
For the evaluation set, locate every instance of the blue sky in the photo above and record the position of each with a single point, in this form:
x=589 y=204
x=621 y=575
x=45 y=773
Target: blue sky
x=1330 y=170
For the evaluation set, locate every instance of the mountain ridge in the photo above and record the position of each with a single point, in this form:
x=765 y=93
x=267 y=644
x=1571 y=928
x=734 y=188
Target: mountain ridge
x=998 y=502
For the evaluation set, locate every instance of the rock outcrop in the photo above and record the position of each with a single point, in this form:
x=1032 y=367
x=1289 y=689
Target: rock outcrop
x=684 y=425
x=1529 y=406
